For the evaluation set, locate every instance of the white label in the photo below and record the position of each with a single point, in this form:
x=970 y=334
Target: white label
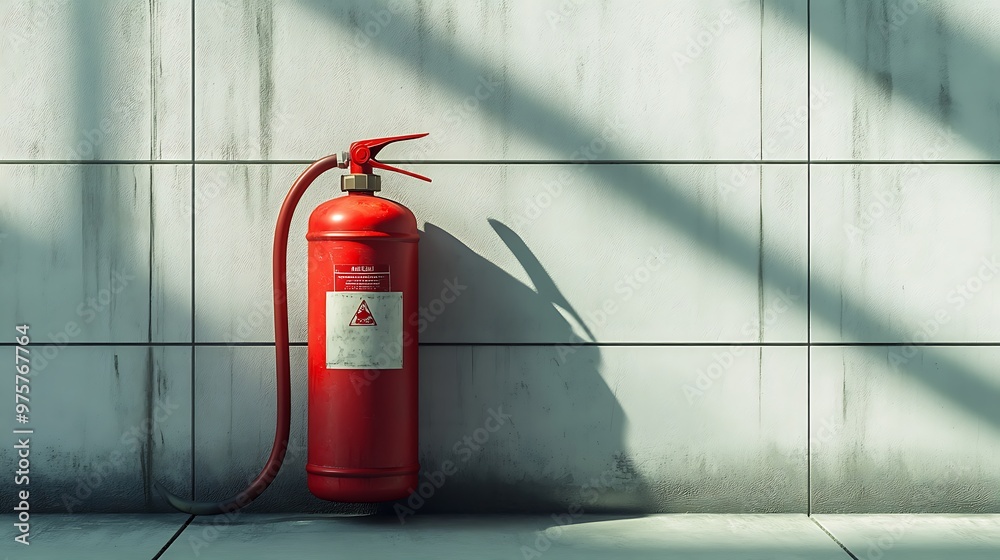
x=364 y=330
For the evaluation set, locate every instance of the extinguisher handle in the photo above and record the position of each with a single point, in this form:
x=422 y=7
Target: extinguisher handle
x=283 y=368
x=363 y=154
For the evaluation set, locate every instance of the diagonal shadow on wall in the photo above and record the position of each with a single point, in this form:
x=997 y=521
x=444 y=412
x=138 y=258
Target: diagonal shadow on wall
x=104 y=441
x=673 y=205
x=909 y=50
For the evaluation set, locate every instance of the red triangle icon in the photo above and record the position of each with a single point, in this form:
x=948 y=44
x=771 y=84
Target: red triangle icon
x=363 y=316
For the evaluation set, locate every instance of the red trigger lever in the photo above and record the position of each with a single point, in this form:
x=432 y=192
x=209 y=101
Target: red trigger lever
x=363 y=154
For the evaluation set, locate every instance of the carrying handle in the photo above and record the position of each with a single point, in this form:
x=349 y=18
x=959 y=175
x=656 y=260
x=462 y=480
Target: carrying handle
x=363 y=154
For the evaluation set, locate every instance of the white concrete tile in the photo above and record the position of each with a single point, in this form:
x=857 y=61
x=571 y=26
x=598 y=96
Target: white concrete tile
x=234 y=415
x=917 y=537
x=639 y=429
x=548 y=253
x=107 y=422
x=97 y=253
x=784 y=237
x=909 y=80
x=785 y=93
x=91 y=537
x=233 y=281
x=487 y=80
x=905 y=429
x=656 y=427
x=86 y=81
x=699 y=537
x=905 y=253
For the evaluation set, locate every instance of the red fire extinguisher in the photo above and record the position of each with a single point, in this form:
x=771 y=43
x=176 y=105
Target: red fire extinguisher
x=362 y=349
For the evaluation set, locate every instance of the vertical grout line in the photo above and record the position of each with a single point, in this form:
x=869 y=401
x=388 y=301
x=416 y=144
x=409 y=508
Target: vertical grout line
x=808 y=260
x=761 y=98
x=193 y=186
x=154 y=52
x=760 y=232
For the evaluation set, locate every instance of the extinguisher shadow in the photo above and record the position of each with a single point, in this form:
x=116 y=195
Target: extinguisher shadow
x=526 y=427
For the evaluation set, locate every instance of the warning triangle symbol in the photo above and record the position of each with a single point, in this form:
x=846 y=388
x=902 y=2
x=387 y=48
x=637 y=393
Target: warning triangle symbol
x=363 y=316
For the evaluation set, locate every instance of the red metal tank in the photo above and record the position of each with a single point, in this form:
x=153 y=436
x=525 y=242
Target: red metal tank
x=362 y=346
x=362 y=343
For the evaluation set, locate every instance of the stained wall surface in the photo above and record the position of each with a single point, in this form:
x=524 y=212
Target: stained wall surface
x=705 y=256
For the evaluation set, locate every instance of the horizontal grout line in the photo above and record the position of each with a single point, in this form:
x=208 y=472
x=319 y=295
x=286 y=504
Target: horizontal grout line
x=145 y=344
x=95 y=162
x=505 y=162
x=539 y=344
x=691 y=162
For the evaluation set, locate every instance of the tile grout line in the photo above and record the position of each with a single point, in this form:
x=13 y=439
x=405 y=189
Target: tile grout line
x=760 y=220
x=829 y=534
x=193 y=210
x=608 y=344
x=152 y=384
x=174 y=537
x=808 y=260
x=510 y=162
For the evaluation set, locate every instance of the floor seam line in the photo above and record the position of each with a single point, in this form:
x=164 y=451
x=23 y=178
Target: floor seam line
x=174 y=537
x=829 y=534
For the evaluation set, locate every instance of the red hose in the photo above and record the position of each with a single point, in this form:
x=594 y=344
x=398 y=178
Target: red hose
x=283 y=369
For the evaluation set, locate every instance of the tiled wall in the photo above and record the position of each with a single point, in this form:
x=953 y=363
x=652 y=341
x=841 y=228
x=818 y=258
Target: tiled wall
x=715 y=256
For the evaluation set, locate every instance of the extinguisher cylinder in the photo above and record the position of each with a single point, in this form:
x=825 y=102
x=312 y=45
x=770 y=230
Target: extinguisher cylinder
x=363 y=352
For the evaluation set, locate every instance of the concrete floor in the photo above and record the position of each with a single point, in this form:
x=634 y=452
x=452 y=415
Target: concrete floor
x=663 y=537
